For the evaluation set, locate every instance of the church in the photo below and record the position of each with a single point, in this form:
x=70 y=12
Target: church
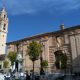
x=66 y=40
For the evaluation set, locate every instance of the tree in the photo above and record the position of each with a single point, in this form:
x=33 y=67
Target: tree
x=5 y=64
x=34 y=51
x=63 y=61
x=44 y=63
x=12 y=57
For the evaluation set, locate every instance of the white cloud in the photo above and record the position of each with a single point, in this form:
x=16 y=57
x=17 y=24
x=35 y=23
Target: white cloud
x=32 y=6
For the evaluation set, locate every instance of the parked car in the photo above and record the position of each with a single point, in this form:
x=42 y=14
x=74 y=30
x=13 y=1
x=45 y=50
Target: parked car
x=2 y=71
x=2 y=76
x=22 y=76
x=7 y=76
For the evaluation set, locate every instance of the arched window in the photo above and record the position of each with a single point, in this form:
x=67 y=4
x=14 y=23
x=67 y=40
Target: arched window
x=2 y=45
x=3 y=35
x=4 y=16
x=0 y=24
x=4 y=28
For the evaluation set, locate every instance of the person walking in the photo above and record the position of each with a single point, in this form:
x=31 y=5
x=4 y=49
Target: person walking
x=27 y=76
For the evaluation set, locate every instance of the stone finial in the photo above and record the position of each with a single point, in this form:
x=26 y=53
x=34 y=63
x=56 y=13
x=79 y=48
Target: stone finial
x=62 y=26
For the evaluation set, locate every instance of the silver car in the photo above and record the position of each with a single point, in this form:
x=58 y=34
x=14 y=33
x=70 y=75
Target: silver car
x=2 y=76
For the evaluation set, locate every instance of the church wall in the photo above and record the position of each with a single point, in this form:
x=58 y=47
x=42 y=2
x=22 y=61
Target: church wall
x=52 y=43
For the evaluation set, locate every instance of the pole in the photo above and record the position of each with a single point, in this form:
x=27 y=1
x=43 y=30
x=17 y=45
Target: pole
x=41 y=69
x=33 y=71
x=16 y=57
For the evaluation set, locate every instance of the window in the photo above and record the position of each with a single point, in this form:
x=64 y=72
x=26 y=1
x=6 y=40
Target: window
x=2 y=45
x=3 y=35
x=4 y=16
x=0 y=24
x=4 y=28
x=0 y=66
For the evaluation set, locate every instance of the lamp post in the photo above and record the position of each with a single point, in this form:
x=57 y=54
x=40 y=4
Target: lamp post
x=41 y=58
x=16 y=63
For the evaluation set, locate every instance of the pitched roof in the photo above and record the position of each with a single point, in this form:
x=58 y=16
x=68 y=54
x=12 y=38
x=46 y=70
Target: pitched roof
x=44 y=34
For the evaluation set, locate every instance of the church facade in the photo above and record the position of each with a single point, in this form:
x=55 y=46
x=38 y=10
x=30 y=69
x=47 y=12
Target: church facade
x=67 y=40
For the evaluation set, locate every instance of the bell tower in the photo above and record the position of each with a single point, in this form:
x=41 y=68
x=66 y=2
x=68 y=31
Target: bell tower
x=3 y=30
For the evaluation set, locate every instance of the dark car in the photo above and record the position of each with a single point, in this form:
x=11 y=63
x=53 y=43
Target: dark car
x=2 y=71
x=8 y=76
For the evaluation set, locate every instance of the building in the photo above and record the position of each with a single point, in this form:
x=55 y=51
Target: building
x=3 y=30
x=3 y=34
x=66 y=40
x=2 y=57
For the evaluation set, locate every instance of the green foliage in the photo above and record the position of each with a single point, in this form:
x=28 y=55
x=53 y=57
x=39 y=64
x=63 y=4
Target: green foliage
x=34 y=50
x=57 y=64
x=12 y=57
x=44 y=63
x=61 y=60
x=5 y=64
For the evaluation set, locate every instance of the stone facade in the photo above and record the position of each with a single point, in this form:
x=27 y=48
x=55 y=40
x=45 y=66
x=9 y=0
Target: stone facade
x=67 y=40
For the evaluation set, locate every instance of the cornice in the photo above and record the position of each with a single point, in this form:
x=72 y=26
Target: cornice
x=58 y=32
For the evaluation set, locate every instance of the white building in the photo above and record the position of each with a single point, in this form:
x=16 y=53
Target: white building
x=3 y=35
x=3 y=30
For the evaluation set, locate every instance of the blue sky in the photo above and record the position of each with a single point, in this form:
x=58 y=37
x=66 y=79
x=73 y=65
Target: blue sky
x=31 y=17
